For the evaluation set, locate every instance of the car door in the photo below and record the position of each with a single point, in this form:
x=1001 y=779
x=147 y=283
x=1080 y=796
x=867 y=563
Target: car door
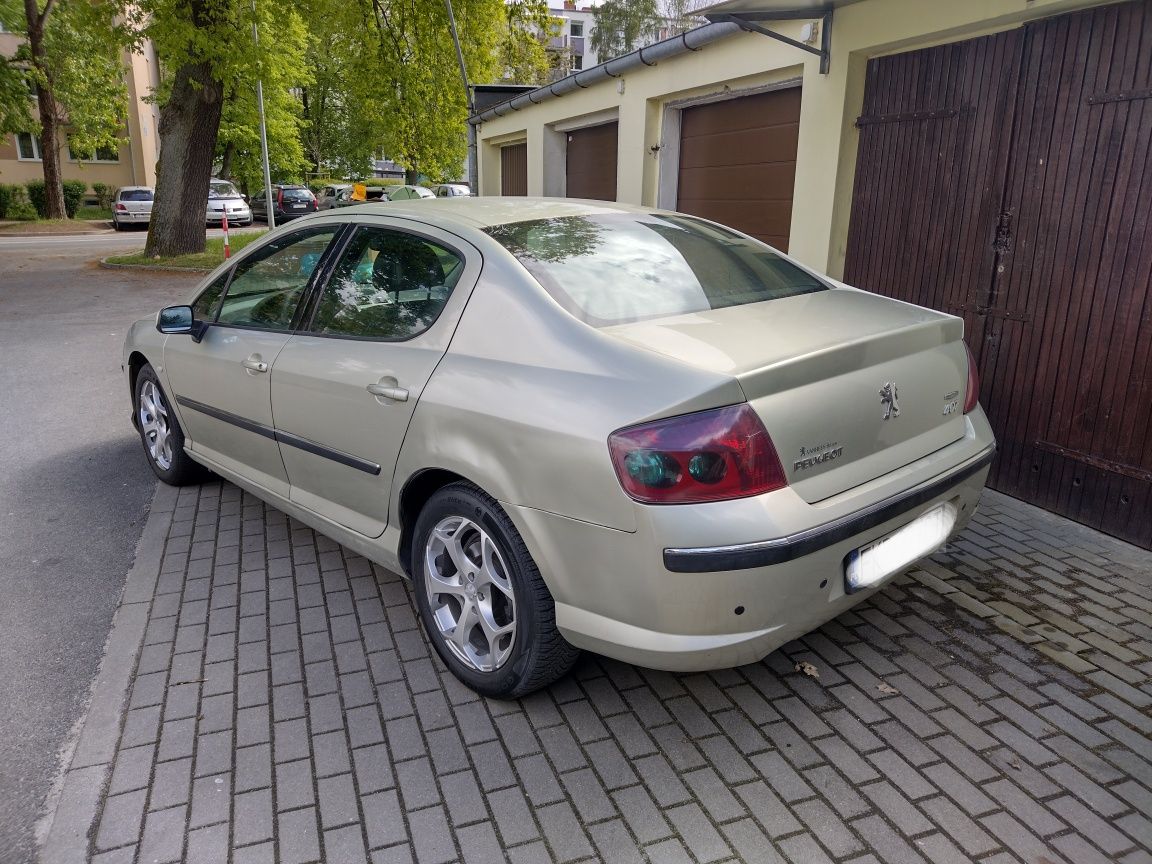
x=221 y=382
x=344 y=387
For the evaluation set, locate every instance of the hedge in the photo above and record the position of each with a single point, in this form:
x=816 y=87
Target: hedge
x=74 y=192
x=14 y=203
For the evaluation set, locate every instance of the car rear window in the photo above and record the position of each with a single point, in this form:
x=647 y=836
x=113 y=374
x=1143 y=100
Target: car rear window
x=297 y=195
x=615 y=268
x=135 y=194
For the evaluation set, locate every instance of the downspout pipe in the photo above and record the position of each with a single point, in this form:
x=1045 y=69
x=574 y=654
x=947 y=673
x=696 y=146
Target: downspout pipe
x=650 y=55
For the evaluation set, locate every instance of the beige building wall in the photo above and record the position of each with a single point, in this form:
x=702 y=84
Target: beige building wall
x=136 y=165
x=644 y=101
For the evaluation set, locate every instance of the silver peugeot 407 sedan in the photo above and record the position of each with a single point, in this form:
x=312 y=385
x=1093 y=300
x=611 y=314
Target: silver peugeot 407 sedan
x=574 y=425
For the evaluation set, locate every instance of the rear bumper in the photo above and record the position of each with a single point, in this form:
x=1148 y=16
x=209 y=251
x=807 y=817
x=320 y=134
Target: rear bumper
x=132 y=218
x=734 y=602
x=776 y=551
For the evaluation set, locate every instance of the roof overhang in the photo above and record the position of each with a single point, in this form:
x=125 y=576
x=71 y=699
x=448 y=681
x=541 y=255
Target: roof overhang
x=749 y=14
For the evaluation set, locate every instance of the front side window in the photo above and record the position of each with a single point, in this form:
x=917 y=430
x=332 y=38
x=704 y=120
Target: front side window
x=612 y=269
x=267 y=286
x=387 y=285
x=205 y=306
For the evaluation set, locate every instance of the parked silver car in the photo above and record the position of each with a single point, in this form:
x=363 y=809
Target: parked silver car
x=330 y=194
x=223 y=198
x=451 y=190
x=572 y=424
x=132 y=206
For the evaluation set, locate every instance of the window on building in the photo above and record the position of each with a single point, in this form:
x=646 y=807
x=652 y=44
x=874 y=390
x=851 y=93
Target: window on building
x=577 y=62
x=27 y=146
x=576 y=28
x=101 y=154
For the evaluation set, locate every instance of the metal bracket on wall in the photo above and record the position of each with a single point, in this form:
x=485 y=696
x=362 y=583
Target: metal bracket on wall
x=750 y=21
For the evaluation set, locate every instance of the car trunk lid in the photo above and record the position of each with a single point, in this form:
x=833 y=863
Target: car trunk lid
x=849 y=385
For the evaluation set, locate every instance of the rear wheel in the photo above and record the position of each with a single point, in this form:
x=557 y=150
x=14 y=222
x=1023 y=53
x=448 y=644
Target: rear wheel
x=483 y=602
x=161 y=435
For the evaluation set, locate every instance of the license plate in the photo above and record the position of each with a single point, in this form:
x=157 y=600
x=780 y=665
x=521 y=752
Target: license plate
x=872 y=563
x=297 y=206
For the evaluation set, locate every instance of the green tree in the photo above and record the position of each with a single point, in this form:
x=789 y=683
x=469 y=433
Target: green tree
x=523 y=42
x=238 y=142
x=208 y=54
x=72 y=59
x=622 y=26
x=338 y=139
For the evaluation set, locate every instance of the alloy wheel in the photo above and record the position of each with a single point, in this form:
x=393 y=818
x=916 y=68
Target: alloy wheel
x=154 y=424
x=470 y=593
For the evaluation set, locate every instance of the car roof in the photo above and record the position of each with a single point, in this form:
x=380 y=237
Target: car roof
x=487 y=211
x=133 y=188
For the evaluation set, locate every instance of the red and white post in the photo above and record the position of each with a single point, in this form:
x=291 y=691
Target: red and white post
x=224 y=226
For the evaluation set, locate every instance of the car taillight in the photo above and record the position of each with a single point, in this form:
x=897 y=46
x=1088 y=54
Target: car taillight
x=121 y=207
x=280 y=196
x=972 y=394
x=712 y=455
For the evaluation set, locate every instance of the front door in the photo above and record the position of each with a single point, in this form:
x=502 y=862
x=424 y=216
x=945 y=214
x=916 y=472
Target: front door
x=344 y=388
x=220 y=384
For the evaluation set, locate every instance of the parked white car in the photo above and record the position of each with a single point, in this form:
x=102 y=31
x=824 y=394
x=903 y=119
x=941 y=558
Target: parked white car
x=132 y=206
x=223 y=198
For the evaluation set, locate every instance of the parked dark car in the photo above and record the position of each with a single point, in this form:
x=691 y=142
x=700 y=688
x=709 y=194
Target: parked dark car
x=288 y=202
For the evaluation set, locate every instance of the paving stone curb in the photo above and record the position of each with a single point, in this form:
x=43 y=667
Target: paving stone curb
x=80 y=792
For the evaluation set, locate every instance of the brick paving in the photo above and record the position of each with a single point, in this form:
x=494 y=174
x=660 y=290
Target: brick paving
x=994 y=705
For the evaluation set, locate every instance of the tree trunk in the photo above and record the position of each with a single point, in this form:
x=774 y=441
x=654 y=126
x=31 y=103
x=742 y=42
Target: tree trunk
x=189 y=124
x=46 y=106
x=226 y=160
x=411 y=176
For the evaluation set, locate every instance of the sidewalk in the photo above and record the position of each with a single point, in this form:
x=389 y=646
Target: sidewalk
x=993 y=706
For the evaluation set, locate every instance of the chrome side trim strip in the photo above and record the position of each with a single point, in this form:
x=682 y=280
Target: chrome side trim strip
x=282 y=437
x=743 y=556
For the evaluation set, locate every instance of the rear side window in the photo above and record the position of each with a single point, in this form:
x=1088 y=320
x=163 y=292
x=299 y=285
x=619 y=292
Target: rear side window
x=387 y=285
x=616 y=268
x=135 y=194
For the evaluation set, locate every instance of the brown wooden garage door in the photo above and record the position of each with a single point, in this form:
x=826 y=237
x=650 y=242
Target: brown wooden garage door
x=738 y=163
x=591 y=162
x=514 y=169
x=1008 y=179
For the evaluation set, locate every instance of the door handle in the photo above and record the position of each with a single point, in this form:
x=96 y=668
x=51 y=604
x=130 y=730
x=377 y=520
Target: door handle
x=396 y=394
x=254 y=364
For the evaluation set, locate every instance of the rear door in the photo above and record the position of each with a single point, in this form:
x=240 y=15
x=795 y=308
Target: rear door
x=344 y=389
x=221 y=383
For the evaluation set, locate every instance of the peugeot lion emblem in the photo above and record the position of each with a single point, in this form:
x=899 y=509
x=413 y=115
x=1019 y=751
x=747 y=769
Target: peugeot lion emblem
x=890 y=399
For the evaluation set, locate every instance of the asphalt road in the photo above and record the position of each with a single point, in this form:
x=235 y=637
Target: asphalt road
x=74 y=489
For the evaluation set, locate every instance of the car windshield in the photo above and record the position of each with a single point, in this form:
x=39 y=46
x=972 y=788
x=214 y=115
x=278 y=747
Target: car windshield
x=222 y=189
x=297 y=195
x=135 y=194
x=616 y=268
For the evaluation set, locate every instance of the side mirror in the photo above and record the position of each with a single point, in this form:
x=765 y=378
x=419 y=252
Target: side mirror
x=180 y=319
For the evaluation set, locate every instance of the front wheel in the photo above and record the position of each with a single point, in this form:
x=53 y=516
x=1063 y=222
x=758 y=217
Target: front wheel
x=483 y=602
x=161 y=435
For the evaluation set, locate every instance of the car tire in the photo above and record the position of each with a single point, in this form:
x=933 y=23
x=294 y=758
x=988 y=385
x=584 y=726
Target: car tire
x=154 y=418
x=116 y=226
x=463 y=517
